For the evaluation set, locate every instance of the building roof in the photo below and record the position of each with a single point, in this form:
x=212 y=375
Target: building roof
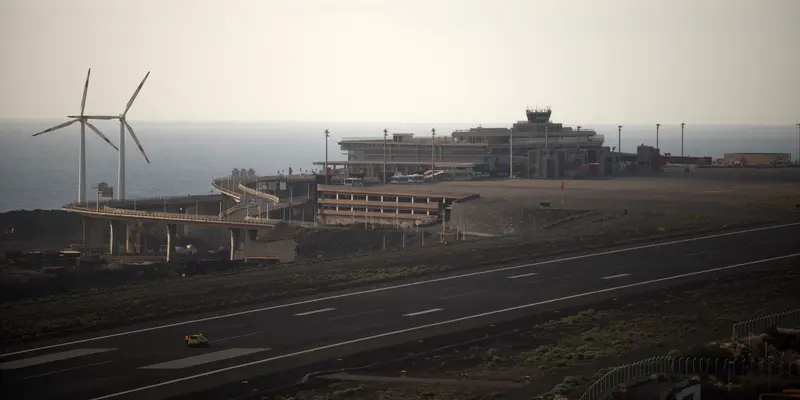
x=442 y=164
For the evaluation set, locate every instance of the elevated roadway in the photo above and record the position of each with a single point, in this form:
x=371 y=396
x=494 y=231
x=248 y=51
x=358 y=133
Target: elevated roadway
x=150 y=360
x=241 y=215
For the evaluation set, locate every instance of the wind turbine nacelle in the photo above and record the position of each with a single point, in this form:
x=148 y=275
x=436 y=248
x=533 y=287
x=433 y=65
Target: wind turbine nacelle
x=96 y=116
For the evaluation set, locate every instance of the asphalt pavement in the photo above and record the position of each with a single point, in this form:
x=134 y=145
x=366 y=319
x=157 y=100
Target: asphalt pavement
x=150 y=361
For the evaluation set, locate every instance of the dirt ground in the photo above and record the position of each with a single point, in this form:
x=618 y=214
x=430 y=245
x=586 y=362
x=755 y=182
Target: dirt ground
x=565 y=356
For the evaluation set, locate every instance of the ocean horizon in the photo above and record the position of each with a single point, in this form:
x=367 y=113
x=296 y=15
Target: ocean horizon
x=42 y=172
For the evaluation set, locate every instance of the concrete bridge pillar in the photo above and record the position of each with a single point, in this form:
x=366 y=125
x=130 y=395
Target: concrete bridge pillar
x=234 y=235
x=131 y=239
x=170 y=232
x=111 y=238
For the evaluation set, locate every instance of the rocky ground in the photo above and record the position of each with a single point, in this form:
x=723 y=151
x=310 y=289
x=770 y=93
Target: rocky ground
x=562 y=357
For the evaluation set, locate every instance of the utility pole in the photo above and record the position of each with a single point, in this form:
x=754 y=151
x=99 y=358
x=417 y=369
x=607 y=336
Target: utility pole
x=658 y=126
x=385 y=135
x=433 y=150
x=619 y=138
x=325 y=170
x=683 y=124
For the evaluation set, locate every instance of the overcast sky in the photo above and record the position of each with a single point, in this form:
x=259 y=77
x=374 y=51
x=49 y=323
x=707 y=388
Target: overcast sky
x=613 y=61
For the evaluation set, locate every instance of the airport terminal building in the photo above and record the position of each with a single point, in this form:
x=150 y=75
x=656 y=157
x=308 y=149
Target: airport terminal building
x=536 y=147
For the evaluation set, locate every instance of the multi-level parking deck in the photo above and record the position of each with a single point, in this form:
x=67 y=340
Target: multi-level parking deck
x=384 y=205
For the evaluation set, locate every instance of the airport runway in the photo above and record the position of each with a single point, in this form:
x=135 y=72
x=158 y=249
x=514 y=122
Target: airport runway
x=150 y=361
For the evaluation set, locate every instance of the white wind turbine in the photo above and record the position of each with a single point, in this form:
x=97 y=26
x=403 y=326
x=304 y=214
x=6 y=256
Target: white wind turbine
x=123 y=124
x=82 y=152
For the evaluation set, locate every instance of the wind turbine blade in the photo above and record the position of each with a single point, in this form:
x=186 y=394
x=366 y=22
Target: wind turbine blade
x=59 y=126
x=97 y=131
x=136 y=139
x=85 y=89
x=100 y=116
x=136 y=93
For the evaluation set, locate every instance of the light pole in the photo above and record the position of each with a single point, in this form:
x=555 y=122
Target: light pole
x=511 y=153
x=798 y=142
x=433 y=150
x=325 y=169
x=658 y=126
x=683 y=124
x=619 y=138
x=385 y=135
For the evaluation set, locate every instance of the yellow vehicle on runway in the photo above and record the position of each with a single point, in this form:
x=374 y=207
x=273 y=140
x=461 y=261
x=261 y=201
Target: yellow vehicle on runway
x=196 y=340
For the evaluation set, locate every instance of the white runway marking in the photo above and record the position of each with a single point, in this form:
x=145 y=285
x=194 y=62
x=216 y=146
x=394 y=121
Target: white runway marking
x=203 y=359
x=354 y=315
x=432 y=310
x=410 y=284
x=440 y=323
x=699 y=253
x=614 y=276
x=321 y=310
x=522 y=275
x=47 y=358
x=69 y=369
x=461 y=295
x=236 y=337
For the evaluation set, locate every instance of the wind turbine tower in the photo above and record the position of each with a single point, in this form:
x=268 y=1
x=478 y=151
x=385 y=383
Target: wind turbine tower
x=123 y=124
x=82 y=152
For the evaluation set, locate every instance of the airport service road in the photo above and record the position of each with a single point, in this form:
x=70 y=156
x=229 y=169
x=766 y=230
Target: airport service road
x=152 y=362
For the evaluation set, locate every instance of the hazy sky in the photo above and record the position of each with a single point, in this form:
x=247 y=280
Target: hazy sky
x=613 y=61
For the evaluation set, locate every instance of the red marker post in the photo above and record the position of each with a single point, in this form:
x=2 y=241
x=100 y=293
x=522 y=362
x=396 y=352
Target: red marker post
x=562 y=193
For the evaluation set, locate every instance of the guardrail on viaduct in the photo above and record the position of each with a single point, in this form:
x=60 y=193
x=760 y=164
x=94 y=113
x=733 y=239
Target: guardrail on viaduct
x=218 y=187
x=258 y=193
x=171 y=217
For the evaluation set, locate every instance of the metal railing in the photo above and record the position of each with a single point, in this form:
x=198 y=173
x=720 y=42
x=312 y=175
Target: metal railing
x=220 y=188
x=744 y=329
x=257 y=193
x=724 y=368
x=214 y=220
x=670 y=365
x=146 y=200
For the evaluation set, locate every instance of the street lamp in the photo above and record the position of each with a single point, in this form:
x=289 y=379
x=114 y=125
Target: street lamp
x=619 y=138
x=433 y=149
x=683 y=124
x=385 y=135
x=658 y=126
x=325 y=169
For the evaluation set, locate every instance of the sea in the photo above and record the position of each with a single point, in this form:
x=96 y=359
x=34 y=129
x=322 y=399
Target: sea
x=42 y=172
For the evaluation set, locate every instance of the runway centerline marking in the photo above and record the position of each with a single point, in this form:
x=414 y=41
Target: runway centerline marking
x=455 y=296
x=440 y=323
x=522 y=275
x=68 y=369
x=354 y=315
x=615 y=276
x=237 y=336
x=432 y=310
x=321 y=310
x=409 y=284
